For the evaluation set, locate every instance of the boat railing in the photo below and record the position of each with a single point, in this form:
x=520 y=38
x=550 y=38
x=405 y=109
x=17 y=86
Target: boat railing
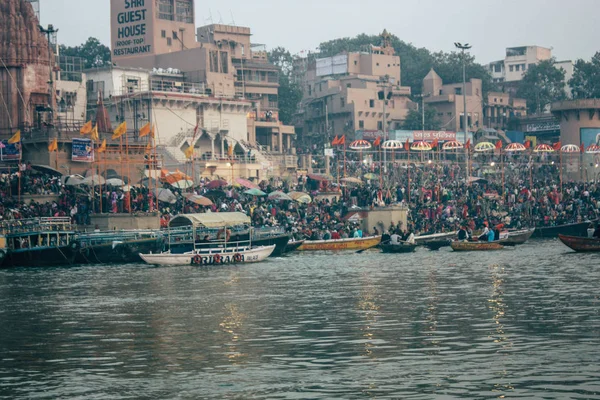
x=35 y=225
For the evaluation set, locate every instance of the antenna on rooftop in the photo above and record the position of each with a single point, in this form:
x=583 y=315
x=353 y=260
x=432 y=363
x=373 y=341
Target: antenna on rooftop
x=232 y=20
x=210 y=18
x=220 y=18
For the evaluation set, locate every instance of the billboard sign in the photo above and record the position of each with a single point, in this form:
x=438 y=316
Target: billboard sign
x=131 y=27
x=10 y=152
x=83 y=150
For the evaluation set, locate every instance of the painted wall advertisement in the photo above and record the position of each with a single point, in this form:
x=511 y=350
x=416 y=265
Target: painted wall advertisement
x=131 y=27
x=590 y=136
x=83 y=150
x=10 y=152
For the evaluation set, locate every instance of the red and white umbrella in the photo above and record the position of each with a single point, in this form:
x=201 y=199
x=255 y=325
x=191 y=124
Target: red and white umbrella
x=515 y=147
x=593 y=149
x=543 y=148
x=452 y=145
x=569 y=148
x=421 y=145
x=360 y=145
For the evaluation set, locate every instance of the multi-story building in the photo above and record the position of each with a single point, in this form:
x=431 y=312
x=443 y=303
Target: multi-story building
x=448 y=100
x=342 y=95
x=222 y=59
x=501 y=108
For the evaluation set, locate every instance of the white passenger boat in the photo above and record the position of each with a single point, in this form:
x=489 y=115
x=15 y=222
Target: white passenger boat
x=214 y=256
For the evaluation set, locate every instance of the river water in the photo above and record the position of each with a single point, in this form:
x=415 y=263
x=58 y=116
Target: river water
x=521 y=322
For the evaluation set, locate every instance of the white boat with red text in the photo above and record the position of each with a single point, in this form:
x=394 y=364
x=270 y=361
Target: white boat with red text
x=211 y=256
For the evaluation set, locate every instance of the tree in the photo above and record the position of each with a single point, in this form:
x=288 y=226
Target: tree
x=94 y=53
x=414 y=120
x=290 y=94
x=541 y=85
x=585 y=83
x=449 y=66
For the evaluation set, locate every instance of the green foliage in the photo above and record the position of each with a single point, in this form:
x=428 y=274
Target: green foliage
x=541 y=85
x=94 y=53
x=585 y=83
x=414 y=120
x=415 y=62
x=290 y=94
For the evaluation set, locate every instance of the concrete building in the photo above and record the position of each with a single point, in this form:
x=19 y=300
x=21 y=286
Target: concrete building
x=221 y=62
x=341 y=95
x=448 y=100
x=500 y=108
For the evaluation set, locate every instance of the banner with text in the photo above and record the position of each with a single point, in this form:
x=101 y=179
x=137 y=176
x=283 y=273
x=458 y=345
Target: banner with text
x=131 y=27
x=10 y=152
x=83 y=150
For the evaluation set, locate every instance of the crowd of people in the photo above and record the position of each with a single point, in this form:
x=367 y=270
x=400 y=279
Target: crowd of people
x=438 y=197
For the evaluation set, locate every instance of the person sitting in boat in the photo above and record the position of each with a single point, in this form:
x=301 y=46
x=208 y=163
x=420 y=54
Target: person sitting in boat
x=335 y=235
x=394 y=238
x=205 y=239
x=326 y=234
x=485 y=235
x=411 y=238
x=375 y=231
x=492 y=235
x=497 y=232
x=597 y=232
x=462 y=233
x=385 y=238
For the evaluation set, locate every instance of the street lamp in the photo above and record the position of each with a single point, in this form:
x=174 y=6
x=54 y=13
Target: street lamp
x=464 y=47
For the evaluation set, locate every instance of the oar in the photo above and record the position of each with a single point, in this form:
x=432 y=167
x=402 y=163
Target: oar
x=372 y=247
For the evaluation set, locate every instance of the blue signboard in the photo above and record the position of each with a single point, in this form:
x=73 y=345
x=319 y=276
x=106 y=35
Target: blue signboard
x=10 y=152
x=83 y=150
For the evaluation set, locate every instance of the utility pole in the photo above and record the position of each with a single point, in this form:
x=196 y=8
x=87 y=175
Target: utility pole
x=464 y=47
x=383 y=95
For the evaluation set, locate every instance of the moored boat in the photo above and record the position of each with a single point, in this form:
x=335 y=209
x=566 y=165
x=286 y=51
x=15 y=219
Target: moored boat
x=37 y=242
x=437 y=244
x=215 y=256
x=117 y=246
x=575 y=229
x=475 y=246
x=581 y=244
x=340 y=244
x=514 y=238
x=423 y=239
x=292 y=245
x=397 y=248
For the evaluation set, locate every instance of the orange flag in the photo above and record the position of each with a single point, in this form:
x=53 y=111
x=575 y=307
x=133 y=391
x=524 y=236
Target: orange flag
x=499 y=145
x=377 y=141
x=468 y=145
x=145 y=130
x=87 y=128
x=335 y=141
x=556 y=146
x=435 y=144
x=342 y=140
x=527 y=144
x=582 y=148
x=407 y=145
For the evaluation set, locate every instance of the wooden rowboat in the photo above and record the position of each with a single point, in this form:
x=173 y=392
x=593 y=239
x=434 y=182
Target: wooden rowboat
x=475 y=246
x=515 y=238
x=581 y=244
x=398 y=248
x=340 y=244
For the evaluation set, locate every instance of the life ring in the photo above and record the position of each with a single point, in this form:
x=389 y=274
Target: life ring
x=217 y=259
x=238 y=257
x=197 y=260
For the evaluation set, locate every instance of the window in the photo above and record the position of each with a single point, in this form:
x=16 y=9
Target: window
x=501 y=100
x=224 y=62
x=476 y=92
x=361 y=124
x=449 y=114
x=184 y=11
x=169 y=41
x=174 y=35
x=348 y=85
x=523 y=67
x=498 y=68
x=458 y=90
x=378 y=64
x=213 y=57
x=372 y=103
x=511 y=68
x=355 y=62
x=380 y=125
x=309 y=90
x=440 y=114
x=342 y=102
x=495 y=99
x=163 y=34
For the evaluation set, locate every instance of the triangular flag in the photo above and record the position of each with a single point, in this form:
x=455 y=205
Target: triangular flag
x=16 y=138
x=53 y=145
x=499 y=145
x=556 y=146
x=189 y=152
x=377 y=141
x=435 y=144
x=149 y=148
x=145 y=131
x=342 y=140
x=335 y=141
x=152 y=132
x=87 y=128
x=94 y=134
x=582 y=147
x=407 y=145
x=102 y=147
x=527 y=144
x=468 y=145
x=121 y=129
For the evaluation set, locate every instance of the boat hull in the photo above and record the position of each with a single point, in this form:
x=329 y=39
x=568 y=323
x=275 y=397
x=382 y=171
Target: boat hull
x=398 y=248
x=211 y=258
x=578 y=229
x=279 y=241
x=293 y=246
x=516 y=238
x=40 y=257
x=580 y=244
x=437 y=244
x=117 y=251
x=476 y=246
x=424 y=239
x=340 y=244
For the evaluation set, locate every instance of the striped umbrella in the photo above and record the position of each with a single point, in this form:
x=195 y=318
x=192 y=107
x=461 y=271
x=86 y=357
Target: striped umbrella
x=360 y=145
x=482 y=147
x=543 y=148
x=569 y=148
x=452 y=145
x=515 y=147
x=593 y=149
x=421 y=145
x=392 y=145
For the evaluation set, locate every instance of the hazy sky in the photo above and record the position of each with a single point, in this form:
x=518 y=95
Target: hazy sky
x=568 y=26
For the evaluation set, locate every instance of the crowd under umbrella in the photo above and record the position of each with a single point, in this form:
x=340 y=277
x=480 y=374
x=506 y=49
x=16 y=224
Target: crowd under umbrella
x=568 y=149
x=255 y=192
x=246 y=183
x=115 y=182
x=94 y=180
x=216 y=184
x=300 y=197
x=165 y=195
x=360 y=145
x=72 y=180
x=183 y=184
x=511 y=148
x=392 y=145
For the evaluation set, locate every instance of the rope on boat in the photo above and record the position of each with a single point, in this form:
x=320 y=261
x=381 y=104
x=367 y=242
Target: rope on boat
x=63 y=254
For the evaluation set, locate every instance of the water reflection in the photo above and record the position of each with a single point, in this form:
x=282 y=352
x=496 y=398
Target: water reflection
x=369 y=309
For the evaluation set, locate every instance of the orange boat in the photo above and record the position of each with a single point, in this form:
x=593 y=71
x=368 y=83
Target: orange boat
x=340 y=244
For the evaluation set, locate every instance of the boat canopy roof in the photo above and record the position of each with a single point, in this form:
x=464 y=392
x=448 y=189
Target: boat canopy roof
x=210 y=220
